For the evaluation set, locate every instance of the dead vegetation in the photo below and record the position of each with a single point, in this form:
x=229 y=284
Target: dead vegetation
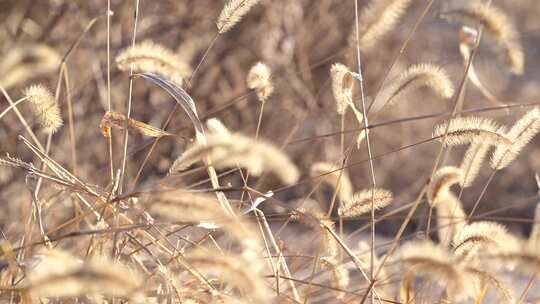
x=247 y=151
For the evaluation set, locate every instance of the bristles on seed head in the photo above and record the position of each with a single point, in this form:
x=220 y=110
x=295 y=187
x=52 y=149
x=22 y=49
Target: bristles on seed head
x=498 y=24
x=420 y=75
x=361 y=202
x=481 y=236
x=260 y=79
x=44 y=107
x=379 y=18
x=150 y=57
x=443 y=179
x=472 y=162
x=466 y=130
x=334 y=177
x=232 y=13
x=342 y=86
x=521 y=133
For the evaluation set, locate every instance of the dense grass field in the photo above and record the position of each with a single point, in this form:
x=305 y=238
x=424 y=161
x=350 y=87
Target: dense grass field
x=269 y=151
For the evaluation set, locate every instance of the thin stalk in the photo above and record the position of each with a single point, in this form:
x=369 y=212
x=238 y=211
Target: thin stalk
x=22 y=120
x=416 y=203
x=13 y=105
x=368 y=145
x=129 y=102
x=109 y=106
x=70 y=122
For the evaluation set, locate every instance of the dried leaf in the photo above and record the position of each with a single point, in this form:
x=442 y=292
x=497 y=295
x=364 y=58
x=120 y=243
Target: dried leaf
x=117 y=120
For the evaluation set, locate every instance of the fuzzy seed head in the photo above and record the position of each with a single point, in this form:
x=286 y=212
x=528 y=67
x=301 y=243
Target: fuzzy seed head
x=421 y=75
x=472 y=162
x=44 y=107
x=150 y=57
x=466 y=130
x=443 y=179
x=378 y=19
x=232 y=13
x=260 y=79
x=342 y=86
x=481 y=237
x=361 y=202
x=521 y=133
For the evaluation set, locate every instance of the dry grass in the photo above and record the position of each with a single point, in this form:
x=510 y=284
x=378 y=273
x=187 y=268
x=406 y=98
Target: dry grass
x=218 y=151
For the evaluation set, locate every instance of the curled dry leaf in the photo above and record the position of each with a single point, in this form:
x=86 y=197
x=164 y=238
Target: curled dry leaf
x=116 y=120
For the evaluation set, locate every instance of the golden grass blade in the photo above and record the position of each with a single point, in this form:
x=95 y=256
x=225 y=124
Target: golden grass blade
x=179 y=95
